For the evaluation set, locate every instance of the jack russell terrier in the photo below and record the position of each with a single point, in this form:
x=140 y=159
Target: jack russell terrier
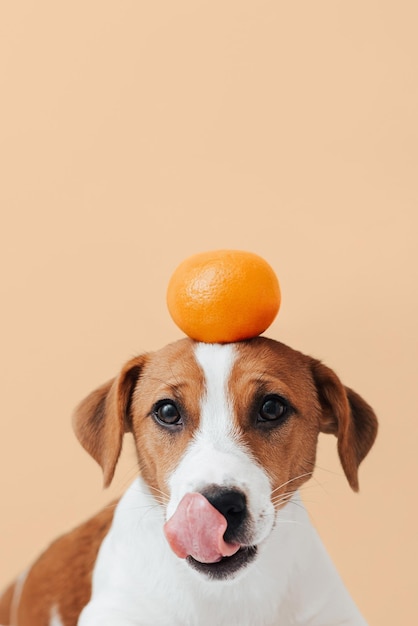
x=213 y=531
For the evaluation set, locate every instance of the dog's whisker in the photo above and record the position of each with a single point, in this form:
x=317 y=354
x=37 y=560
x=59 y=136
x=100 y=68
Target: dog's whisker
x=322 y=469
x=283 y=496
x=292 y=480
x=159 y=496
x=128 y=477
x=145 y=510
x=300 y=504
x=157 y=499
x=287 y=495
x=158 y=491
x=318 y=483
x=278 y=501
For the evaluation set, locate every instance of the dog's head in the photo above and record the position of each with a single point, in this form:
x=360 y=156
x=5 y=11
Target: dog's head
x=228 y=433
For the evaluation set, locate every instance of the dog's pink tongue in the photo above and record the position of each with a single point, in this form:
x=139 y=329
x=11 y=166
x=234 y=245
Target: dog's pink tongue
x=196 y=529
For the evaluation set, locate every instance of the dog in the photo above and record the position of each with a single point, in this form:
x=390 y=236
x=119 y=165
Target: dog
x=213 y=531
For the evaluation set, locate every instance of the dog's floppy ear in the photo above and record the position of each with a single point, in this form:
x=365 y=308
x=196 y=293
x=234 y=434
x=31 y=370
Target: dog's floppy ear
x=345 y=414
x=102 y=418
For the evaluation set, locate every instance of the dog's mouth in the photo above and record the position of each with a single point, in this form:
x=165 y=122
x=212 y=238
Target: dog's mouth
x=201 y=534
x=227 y=566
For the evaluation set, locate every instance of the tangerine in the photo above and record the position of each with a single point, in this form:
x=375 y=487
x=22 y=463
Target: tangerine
x=223 y=296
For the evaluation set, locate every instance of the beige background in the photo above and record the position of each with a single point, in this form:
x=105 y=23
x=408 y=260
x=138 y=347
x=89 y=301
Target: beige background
x=136 y=133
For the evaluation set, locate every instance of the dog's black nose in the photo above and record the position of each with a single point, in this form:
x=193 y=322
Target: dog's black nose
x=232 y=503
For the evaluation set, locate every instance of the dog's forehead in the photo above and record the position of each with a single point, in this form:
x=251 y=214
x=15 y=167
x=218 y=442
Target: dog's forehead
x=263 y=358
x=175 y=365
x=187 y=362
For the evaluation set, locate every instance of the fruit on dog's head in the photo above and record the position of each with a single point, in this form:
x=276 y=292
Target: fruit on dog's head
x=223 y=296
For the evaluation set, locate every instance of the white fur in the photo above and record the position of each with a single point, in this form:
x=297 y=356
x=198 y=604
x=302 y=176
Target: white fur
x=16 y=597
x=138 y=580
x=55 y=619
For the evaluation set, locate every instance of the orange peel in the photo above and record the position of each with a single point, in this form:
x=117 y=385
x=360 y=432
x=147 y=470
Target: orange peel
x=223 y=296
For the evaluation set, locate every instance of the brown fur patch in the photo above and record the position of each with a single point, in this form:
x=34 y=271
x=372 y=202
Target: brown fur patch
x=6 y=604
x=286 y=452
x=61 y=576
x=170 y=374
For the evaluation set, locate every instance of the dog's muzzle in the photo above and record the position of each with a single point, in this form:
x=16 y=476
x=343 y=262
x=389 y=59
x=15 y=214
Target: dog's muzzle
x=210 y=529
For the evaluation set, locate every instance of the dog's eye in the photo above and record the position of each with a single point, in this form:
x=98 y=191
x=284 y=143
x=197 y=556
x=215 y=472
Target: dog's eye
x=167 y=414
x=273 y=409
